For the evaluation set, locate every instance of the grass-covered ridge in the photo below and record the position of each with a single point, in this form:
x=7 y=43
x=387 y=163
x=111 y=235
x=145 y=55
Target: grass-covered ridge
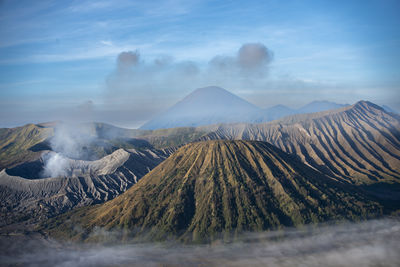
x=15 y=143
x=213 y=188
x=21 y=144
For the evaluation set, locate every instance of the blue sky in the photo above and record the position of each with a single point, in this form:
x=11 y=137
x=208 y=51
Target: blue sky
x=58 y=58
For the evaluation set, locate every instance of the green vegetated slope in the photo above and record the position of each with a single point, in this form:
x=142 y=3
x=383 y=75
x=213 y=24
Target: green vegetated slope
x=210 y=188
x=22 y=144
x=15 y=143
x=159 y=139
x=359 y=144
x=173 y=137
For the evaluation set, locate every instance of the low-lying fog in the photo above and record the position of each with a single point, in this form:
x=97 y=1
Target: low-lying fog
x=372 y=243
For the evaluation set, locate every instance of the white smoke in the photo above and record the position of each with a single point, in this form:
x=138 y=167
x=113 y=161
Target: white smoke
x=71 y=140
x=55 y=165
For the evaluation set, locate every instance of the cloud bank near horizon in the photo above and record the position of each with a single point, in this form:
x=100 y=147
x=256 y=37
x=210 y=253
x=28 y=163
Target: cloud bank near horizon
x=370 y=243
x=134 y=78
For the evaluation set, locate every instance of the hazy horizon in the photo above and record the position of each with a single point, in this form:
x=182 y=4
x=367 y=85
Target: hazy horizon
x=88 y=112
x=123 y=62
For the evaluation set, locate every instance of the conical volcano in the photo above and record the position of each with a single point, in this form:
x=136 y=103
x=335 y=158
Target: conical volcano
x=210 y=188
x=204 y=106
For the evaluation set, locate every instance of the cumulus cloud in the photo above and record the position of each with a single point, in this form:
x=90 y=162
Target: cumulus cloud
x=188 y=68
x=222 y=63
x=121 y=81
x=251 y=58
x=134 y=77
x=127 y=60
x=145 y=86
x=163 y=61
x=254 y=55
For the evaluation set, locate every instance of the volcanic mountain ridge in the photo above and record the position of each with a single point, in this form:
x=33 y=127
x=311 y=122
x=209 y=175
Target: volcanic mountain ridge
x=211 y=189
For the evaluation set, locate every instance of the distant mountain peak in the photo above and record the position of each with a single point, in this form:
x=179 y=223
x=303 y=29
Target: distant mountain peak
x=321 y=102
x=215 y=95
x=210 y=89
x=278 y=107
x=215 y=105
x=207 y=105
x=319 y=105
x=367 y=105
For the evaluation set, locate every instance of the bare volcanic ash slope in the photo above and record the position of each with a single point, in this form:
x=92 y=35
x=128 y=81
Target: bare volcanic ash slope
x=212 y=189
x=359 y=144
x=25 y=195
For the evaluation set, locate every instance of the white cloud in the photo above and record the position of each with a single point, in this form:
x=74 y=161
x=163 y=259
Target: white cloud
x=107 y=43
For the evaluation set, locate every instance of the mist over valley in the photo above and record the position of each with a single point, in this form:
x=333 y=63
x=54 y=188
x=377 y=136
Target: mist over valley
x=199 y=133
